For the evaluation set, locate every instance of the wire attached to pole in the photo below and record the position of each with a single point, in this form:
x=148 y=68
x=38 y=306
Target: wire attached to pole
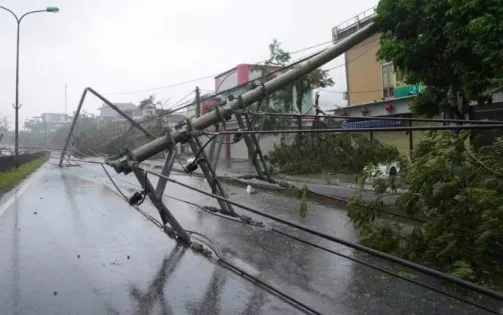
x=400 y=261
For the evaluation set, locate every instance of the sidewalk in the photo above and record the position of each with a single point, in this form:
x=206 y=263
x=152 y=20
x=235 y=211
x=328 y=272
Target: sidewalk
x=346 y=181
x=337 y=188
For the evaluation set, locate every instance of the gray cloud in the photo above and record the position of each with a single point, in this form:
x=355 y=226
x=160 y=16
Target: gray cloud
x=126 y=45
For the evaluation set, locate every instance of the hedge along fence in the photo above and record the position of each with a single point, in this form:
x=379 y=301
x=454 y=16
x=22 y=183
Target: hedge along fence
x=8 y=162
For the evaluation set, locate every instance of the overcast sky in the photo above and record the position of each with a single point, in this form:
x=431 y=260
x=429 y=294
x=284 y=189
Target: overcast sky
x=117 y=46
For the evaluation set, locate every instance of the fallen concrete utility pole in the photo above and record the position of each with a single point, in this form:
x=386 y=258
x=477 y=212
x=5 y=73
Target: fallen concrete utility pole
x=107 y=102
x=160 y=144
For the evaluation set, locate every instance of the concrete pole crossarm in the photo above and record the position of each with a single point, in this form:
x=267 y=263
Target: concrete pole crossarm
x=102 y=98
x=144 y=152
x=126 y=116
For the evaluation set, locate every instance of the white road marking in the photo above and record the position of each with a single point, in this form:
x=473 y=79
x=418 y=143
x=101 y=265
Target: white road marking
x=20 y=189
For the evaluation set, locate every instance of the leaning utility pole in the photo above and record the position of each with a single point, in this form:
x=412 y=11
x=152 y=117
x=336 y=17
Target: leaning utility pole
x=162 y=143
x=128 y=161
x=66 y=100
x=198 y=102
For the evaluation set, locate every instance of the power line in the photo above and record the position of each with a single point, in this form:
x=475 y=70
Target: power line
x=182 y=99
x=400 y=261
x=241 y=272
x=351 y=60
x=206 y=77
x=217 y=251
x=481 y=122
x=346 y=243
x=353 y=92
x=391 y=273
x=344 y=130
x=162 y=87
x=148 y=119
x=274 y=72
x=261 y=78
x=244 y=84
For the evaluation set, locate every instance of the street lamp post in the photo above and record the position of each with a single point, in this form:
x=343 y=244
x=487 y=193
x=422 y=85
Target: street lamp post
x=17 y=105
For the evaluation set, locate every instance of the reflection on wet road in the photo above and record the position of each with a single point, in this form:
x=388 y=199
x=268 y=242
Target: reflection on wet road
x=70 y=245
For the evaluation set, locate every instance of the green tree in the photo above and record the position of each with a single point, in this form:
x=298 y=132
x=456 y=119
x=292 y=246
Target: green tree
x=331 y=153
x=454 y=47
x=151 y=101
x=284 y=101
x=462 y=209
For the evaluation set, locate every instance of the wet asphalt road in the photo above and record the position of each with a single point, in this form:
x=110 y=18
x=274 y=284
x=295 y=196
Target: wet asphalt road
x=78 y=214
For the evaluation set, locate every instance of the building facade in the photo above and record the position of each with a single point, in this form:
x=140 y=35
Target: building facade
x=230 y=85
x=377 y=88
x=135 y=112
x=234 y=83
x=368 y=79
x=47 y=122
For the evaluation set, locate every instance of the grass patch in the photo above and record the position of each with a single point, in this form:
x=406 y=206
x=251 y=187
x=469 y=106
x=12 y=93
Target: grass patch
x=11 y=178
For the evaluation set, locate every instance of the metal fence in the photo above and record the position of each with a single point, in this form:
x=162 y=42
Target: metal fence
x=8 y=162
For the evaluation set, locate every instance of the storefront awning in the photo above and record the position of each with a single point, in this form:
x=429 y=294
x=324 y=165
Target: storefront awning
x=371 y=124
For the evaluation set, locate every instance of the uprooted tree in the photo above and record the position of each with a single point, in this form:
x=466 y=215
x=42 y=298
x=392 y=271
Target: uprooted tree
x=324 y=153
x=312 y=153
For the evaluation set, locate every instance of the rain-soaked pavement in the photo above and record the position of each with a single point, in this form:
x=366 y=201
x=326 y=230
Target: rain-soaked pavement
x=70 y=245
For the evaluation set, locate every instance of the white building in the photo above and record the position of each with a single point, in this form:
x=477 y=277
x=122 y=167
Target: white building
x=135 y=112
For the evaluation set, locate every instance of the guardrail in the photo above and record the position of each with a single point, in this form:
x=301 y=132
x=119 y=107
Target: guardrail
x=8 y=162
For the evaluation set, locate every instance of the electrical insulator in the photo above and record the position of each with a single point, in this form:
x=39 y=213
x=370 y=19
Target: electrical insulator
x=191 y=167
x=135 y=198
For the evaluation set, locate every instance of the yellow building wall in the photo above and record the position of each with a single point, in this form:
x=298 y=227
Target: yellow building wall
x=400 y=139
x=364 y=72
x=419 y=135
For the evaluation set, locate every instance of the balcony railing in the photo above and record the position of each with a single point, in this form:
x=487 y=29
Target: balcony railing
x=353 y=24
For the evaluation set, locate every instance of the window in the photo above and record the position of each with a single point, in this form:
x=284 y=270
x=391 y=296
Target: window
x=387 y=80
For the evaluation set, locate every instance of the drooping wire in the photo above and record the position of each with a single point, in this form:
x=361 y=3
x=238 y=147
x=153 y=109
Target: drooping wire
x=481 y=122
x=237 y=137
x=181 y=100
x=240 y=86
x=239 y=271
x=113 y=182
x=209 y=76
x=391 y=273
x=403 y=262
x=202 y=208
x=300 y=240
x=390 y=129
x=261 y=78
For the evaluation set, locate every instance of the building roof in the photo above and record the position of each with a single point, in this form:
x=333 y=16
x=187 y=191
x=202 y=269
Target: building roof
x=243 y=65
x=123 y=106
x=174 y=118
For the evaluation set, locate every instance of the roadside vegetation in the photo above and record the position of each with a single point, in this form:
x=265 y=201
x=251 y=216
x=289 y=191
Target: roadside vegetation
x=93 y=137
x=452 y=179
x=459 y=191
x=11 y=178
x=344 y=153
